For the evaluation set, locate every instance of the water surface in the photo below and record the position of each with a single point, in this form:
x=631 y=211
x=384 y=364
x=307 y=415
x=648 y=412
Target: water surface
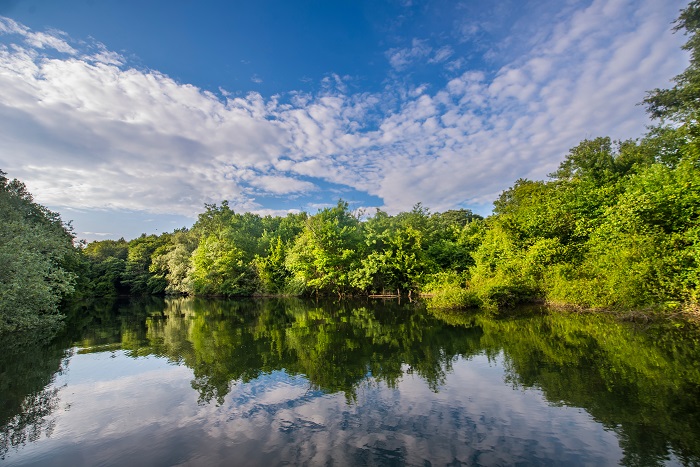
x=201 y=382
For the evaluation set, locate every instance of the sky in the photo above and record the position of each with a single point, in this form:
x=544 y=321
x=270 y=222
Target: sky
x=127 y=117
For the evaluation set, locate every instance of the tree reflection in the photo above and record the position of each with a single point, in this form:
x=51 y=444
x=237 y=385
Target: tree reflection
x=641 y=382
x=28 y=364
x=30 y=361
x=336 y=346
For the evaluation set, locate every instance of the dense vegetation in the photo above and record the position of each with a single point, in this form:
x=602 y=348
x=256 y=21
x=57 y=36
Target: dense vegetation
x=37 y=258
x=330 y=253
x=616 y=226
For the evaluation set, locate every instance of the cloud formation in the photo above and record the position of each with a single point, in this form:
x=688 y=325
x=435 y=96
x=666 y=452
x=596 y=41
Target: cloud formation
x=85 y=130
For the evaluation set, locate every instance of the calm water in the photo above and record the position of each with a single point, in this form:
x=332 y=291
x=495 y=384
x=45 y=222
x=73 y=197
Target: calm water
x=196 y=382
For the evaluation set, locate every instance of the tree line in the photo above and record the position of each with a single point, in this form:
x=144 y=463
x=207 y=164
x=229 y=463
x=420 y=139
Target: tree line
x=617 y=225
x=333 y=252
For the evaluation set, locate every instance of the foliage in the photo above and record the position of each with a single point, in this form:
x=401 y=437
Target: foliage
x=395 y=257
x=326 y=251
x=35 y=249
x=137 y=272
x=271 y=269
x=449 y=290
x=172 y=262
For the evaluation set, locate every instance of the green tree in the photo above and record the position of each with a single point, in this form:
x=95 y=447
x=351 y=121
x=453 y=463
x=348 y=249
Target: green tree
x=107 y=266
x=138 y=274
x=271 y=269
x=681 y=102
x=173 y=262
x=327 y=250
x=395 y=262
x=223 y=262
x=219 y=267
x=446 y=249
x=35 y=245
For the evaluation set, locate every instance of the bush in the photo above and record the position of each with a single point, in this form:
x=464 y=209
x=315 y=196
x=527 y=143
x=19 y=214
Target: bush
x=446 y=290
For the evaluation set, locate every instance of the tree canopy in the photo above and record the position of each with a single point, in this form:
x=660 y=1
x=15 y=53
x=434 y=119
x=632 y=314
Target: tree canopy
x=36 y=254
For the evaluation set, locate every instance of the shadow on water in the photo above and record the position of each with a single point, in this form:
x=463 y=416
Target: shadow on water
x=643 y=384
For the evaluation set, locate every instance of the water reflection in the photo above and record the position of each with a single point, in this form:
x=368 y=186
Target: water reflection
x=280 y=381
x=28 y=366
x=334 y=345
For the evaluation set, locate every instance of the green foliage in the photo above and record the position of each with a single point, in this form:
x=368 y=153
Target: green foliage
x=106 y=261
x=35 y=247
x=272 y=272
x=448 y=290
x=397 y=263
x=616 y=228
x=590 y=160
x=137 y=274
x=172 y=262
x=102 y=250
x=327 y=250
x=448 y=248
x=219 y=268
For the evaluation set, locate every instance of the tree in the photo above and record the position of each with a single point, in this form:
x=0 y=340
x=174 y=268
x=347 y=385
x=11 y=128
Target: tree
x=681 y=102
x=327 y=250
x=395 y=258
x=138 y=274
x=272 y=272
x=34 y=247
x=219 y=268
x=173 y=262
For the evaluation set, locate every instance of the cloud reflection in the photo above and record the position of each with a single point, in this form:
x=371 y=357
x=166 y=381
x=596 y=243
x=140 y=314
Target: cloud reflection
x=152 y=417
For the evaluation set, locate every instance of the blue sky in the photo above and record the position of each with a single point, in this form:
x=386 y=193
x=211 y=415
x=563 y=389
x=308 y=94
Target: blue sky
x=126 y=117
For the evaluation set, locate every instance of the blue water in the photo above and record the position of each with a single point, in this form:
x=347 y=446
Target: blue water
x=150 y=400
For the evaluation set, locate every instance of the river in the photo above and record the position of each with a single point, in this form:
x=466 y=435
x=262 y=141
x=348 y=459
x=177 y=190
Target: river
x=191 y=381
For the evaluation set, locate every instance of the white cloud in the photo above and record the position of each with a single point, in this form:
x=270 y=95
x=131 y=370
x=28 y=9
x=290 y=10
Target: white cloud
x=467 y=30
x=89 y=132
x=312 y=207
x=103 y=55
x=42 y=40
x=9 y=26
x=441 y=54
x=95 y=135
x=280 y=185
x=400 y=58
x=275 y=212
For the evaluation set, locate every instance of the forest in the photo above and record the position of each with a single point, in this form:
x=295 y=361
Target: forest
x=616 y=226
